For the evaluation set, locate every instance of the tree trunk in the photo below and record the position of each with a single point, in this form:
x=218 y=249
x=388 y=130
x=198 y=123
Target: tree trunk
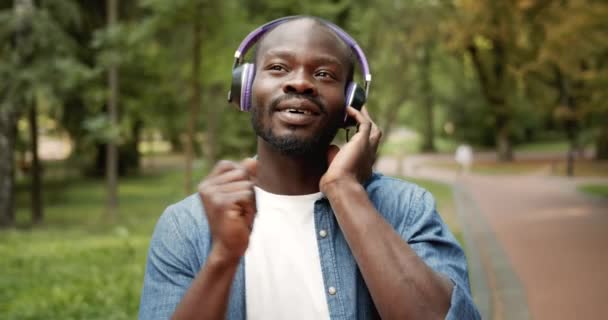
x=504 y=151
x=9 y=115
x=177 y=146
x=136 y=136
x=601 y=143
x=112 y=151
x=492 y=82
x=36 y=169
x=195 y=100
x=428 y=143
x=8 y=132
x=567 y=100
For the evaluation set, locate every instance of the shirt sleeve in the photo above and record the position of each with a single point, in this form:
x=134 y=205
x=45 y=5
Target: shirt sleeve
x=436 y=245
x=168 y=274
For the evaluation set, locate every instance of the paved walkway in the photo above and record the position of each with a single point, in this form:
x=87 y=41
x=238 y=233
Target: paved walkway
x=537 y=248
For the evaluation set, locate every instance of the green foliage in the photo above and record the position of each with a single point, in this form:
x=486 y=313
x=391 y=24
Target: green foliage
x=524 y=60
x=37 y=53
x=80 y=266
x=70 y=49
x=600 y=190
x=72 y=276
x=100 y=129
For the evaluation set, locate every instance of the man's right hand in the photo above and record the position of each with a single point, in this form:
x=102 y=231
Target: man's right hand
x=229 y=201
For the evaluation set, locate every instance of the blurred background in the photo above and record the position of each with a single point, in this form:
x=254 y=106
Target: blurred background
x=112 y=110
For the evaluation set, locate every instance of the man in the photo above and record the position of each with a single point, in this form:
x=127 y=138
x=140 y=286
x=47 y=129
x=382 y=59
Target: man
x=305 y=230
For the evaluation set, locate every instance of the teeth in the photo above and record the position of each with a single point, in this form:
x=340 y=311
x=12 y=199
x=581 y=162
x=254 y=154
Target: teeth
x=306 y=112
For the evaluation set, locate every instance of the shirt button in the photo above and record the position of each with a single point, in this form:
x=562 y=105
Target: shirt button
x=323 y=233
x=331 y=290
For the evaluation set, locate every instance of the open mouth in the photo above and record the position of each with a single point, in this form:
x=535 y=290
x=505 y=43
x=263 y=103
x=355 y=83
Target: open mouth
x=298 y=114
x=299 y=111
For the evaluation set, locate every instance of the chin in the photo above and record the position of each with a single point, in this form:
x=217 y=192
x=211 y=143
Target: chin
x=297 y=145
x=294 y=140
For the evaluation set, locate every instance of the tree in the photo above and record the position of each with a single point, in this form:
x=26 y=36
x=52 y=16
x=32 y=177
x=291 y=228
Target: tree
x=195 y=100
x=37 y=56
x=403 y=41
x=569 y=82
x=487 y=30
x=112 y=153
x=8 y=110
x=207 y=25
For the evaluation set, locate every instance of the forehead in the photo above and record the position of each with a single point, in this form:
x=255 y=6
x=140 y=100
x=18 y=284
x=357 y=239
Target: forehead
x=304 y=35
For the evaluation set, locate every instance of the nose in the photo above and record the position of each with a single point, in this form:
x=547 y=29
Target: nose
x=300 y=83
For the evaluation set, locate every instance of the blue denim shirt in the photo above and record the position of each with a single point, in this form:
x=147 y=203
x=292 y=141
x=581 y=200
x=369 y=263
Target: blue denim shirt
x=182 y=241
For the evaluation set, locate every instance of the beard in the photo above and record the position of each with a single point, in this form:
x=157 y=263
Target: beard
x=292 y=145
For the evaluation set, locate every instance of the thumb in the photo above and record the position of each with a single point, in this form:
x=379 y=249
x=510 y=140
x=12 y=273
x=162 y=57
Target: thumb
x=250 y=165
x=332 y=151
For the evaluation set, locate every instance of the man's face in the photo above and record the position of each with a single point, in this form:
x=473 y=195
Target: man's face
x=298 y=91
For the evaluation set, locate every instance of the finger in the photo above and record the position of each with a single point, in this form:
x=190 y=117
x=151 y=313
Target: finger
x=235 y=186
x=251 y=165
x=246 y=201
x=375 y=135
x=365 y=112
x=238 y=173
x=332 y=151
x=249 y=212
x=221 y=167
x=244 y=198
x=364 y=123
x=375 y=132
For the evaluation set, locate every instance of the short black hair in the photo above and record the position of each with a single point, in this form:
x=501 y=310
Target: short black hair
x=350 y=54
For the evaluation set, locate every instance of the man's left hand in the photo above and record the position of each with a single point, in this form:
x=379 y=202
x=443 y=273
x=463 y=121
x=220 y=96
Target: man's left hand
x=355 y=160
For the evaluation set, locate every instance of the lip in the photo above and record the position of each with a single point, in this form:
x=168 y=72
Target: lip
x=297 y=112
x=296 y=119
x=299 y=105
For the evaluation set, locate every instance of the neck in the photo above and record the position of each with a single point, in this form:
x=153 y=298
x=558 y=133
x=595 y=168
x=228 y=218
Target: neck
x=289 y=175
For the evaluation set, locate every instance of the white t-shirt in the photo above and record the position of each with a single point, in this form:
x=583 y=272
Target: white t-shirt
x=283 y=277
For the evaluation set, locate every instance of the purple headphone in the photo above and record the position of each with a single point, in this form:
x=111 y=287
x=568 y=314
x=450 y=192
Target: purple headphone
x=243 y=73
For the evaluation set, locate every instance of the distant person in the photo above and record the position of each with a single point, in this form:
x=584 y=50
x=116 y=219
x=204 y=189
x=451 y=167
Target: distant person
x=305 y=230
x=464 y=157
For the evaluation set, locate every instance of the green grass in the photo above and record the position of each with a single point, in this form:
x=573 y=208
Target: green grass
x=582 y=168
x=79 y=265
x=544 y=146
x=445 y=204
x=600 y=190
x=496 y=168
x=411 y=145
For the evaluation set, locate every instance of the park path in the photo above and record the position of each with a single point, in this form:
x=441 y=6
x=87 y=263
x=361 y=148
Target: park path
x=537 y=248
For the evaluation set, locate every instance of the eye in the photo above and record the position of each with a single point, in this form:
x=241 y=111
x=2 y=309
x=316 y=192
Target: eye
x=276 y=67
x=325 y=74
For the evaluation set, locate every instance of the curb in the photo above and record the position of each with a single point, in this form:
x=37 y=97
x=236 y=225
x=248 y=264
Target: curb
x=497 y=290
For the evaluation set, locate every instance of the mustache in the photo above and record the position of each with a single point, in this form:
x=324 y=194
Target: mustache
x=275 y=103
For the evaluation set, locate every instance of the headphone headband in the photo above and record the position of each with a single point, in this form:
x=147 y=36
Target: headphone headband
x=256 y=34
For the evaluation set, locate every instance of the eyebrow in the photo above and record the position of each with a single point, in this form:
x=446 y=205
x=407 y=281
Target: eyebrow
x=319 y=59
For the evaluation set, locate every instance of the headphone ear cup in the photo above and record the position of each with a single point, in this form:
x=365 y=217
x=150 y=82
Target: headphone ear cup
x=355 y=97
x=248 y=75
x=240 y=88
